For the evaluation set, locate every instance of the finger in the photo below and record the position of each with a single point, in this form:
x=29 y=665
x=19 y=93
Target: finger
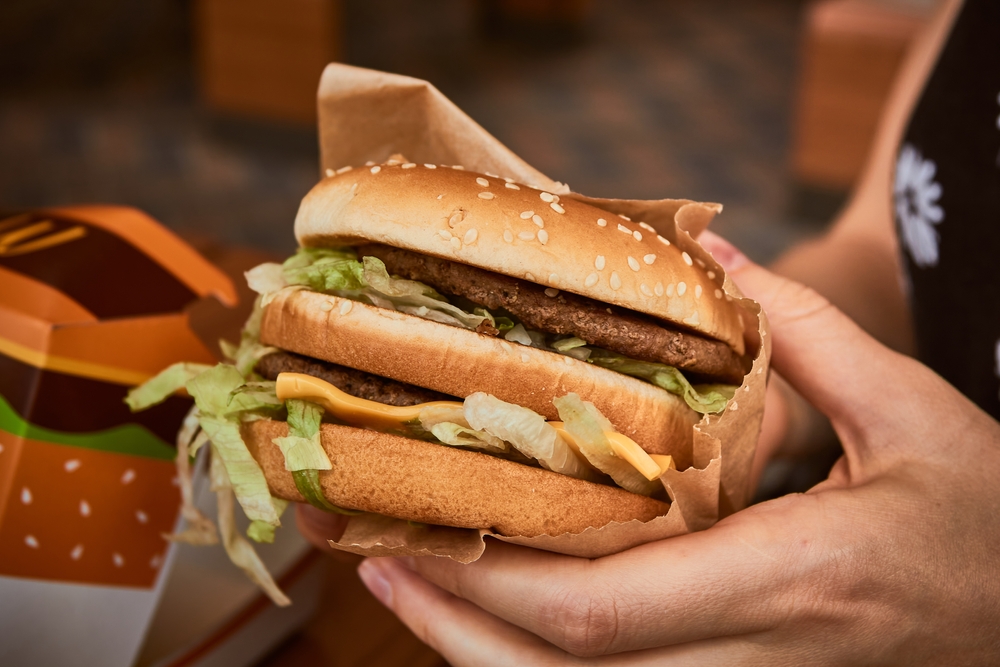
x=667 y=592
x=319 y=527
x=460 y=631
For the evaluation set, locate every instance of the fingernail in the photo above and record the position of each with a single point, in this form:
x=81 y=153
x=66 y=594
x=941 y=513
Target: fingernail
x=724 y=252
x=372 y=575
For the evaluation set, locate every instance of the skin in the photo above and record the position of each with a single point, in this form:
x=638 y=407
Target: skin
x=891 y=560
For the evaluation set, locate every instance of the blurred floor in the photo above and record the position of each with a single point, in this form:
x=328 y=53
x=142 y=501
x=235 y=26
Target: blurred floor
x=650 y=99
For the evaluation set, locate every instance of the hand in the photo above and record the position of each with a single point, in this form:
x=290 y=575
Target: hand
x=894 y=558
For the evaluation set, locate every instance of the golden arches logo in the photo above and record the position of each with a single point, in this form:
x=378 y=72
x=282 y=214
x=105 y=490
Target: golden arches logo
x=18 y=238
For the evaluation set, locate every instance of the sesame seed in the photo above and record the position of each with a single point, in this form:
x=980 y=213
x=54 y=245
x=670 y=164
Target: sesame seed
x=470 y=236
x=557 y=208
x=445 y=234
x=555 y=198
x=543 y=236
x=529 y=276
x=663 y=240
x=670 y=289
x=551 y=292
x=693 y=320
x=84 y=508
x=507 y=236
x=624 y=217
x=637 y=234
x=700 y=263
x=658 y=289
x=633 y=263
x=455 y=242
x=441 y=196
x=486 y=195
x=512 y=186
x=456 y=217
x=376 y=169
x=330 y=172
x=326 y=306
x=687 y=258
x=718 y=294
x=537 y=219
x=344 y=170
x=483 y=182
x=526 y=236
x=616 y=282
x=697 y=291
x=345 y=307
x=569 y=361
x=491 y=175
x=681 y=288
x=711 y=275
x=391 y=163
x=649 y=259
x=71 y=465
x=647 y=227
x=459 y=167
x=409 y=165
x=525 y=357
x=430 y=166
x=760 y=370
x=746 y=388
x=76 y=552
x=509 y=180
x=591 y=280
x=553 y=277
x=128 y=476
x=26 y=496
x=644 y=288
x=599 y=263
x=734 y=406
x=526 y=214
x=31 y=541
x=546 y=197
x=369 y=163
x=623 y=228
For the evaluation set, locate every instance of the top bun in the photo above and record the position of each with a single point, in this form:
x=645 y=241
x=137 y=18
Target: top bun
x=490 y=222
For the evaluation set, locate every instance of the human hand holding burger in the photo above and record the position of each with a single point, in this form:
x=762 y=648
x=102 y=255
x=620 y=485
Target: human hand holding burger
x=892 y=558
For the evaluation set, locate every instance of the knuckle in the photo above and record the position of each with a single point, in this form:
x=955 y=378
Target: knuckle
x=585 y=622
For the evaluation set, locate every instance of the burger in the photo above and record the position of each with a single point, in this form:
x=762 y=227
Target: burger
x=454 y=348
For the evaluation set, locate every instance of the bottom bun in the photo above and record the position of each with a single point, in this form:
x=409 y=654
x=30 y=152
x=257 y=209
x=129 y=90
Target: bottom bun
x=436 y=484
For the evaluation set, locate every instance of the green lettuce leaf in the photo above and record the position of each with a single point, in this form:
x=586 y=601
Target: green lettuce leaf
x=301 y=447
x=245 y=476
x=463 y=436
x=307 y=482
x=165 y=383
x=257 y=397
x=704 y=399
x=213 y=388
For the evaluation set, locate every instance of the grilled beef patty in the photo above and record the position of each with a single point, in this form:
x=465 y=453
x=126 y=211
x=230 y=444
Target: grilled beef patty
x=612 y=328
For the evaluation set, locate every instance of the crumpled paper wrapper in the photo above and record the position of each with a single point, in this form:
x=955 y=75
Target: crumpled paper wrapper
x=366 y=115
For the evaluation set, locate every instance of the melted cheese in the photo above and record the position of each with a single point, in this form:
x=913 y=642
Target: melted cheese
x=380 y=417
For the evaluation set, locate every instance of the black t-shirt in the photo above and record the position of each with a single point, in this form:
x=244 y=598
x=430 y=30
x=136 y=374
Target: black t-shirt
x=947 y=208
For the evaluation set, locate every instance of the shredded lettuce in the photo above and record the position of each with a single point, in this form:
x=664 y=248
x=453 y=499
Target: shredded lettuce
x=462 y=436
x=158 y=388
x=527 y=431
x=240 y=552
x=707 y=398
x=246 y=355
x=200 y=529
x=301 y=447
x=587 y=426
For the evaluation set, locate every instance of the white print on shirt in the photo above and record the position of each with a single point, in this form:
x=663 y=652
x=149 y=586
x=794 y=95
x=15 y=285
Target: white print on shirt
x=916 y=194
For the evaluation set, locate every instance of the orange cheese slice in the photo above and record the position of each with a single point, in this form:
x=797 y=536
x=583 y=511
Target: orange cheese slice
x=380 y=417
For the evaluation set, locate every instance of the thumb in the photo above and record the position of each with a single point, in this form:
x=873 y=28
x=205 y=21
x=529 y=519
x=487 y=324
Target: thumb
x=821 y=352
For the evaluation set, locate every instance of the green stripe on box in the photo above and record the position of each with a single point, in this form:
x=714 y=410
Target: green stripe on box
x=131 y=439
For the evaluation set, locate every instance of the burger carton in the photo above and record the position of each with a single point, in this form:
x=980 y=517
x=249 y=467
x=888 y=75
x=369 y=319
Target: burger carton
x=94 y=300
x=367 y=116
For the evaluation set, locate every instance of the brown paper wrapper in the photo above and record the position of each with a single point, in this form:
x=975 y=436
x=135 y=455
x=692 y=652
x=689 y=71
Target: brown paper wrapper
x=366 y=115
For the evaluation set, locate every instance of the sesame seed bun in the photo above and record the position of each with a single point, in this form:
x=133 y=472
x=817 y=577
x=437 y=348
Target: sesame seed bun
x=522 y=232
x=420 y=481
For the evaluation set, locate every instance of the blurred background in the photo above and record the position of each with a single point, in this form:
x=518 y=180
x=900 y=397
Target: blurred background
x=202 y=112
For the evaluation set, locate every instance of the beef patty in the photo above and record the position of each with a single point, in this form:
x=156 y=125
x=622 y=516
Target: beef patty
x=612 y=328
x=349 y=380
